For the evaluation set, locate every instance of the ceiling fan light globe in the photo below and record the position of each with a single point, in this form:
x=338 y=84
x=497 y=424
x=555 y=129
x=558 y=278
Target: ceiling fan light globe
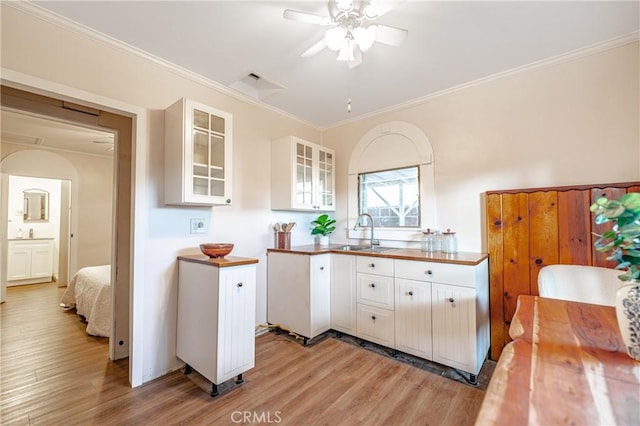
x=344 y=5
x=335 y=38
x=365 y=37
x=371 y=11
x=346 y=52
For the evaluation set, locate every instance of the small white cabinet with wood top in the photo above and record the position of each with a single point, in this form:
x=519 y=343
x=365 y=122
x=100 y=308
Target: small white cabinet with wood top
x=216 y=316
x=198 y=142
x=29 y=261
x=299 y=292
x=302 y=175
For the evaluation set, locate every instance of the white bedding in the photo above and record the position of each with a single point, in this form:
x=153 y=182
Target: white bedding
x=89 y=291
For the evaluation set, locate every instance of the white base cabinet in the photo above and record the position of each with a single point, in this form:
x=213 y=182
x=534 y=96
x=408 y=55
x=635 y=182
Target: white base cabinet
x=433 y=310
x=343 y=293
x=29 y=261
x=376 y=317
x=299 y=292
x=216 y=319
x=459 y=310
x=413 y=317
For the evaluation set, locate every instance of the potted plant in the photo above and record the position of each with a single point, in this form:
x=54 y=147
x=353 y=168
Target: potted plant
x=623 y=244
x=323 y=227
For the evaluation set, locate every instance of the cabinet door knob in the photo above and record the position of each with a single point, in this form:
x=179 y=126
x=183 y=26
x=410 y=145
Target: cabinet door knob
x=451 y=300
x=239 y=285
x=411 y=293
x=373 y=317
x=228 y=200
x=372 y=285
x=428 y=272
x=372 y=265
x=322 y=268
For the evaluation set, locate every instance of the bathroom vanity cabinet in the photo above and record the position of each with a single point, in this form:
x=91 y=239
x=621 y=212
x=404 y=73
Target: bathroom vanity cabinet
x=29 y=261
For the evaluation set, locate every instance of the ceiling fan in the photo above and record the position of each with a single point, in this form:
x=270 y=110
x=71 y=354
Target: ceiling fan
x=349 y=34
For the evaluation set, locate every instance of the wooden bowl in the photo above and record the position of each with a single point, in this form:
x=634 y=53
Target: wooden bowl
x=216 y=249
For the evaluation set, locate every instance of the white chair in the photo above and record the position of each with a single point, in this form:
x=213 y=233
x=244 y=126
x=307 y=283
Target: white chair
x=586 y=284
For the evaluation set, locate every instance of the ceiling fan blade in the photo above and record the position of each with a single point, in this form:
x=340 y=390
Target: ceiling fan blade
x=309 y=18
x=390 y=35
x=316 y=48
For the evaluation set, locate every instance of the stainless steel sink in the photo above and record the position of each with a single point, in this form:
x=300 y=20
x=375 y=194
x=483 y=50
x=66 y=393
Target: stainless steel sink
x=365 y=249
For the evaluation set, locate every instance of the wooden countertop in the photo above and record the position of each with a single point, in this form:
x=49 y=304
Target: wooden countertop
x=460 y=258
x=566 y=365
x=218 y=262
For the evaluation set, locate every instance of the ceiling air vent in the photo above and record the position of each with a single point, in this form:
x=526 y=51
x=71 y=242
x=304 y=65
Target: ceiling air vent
x=255 y=86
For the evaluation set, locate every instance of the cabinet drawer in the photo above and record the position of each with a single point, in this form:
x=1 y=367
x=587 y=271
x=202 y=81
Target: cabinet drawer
x=376 y=290
x=376 y=325
x=446 y=273
x=374 y=265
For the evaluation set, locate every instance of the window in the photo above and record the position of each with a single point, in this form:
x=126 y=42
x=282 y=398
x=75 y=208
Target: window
x=391 y=197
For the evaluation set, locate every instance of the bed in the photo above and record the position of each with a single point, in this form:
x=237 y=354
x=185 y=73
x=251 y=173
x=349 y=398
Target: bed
x=89 y=292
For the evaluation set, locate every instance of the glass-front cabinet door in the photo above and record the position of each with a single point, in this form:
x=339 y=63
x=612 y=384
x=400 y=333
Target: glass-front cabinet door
x=205 y=156
x=302 y=175
x=325 y=180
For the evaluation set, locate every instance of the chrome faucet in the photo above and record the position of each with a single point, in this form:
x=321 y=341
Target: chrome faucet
x=373 y=242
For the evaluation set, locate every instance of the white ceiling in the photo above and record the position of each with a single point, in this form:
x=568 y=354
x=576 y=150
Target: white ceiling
x=45 y=133
x=450 y=43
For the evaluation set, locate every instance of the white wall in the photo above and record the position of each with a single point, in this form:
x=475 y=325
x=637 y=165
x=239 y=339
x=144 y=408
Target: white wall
x=524 y=130
x=76 y=60
x=573 y=122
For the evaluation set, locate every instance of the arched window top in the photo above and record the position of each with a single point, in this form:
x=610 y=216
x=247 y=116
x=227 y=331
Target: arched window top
x=389 y=146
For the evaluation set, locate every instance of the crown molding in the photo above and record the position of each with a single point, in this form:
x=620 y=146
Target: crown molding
x=85 y=31
x=593 y=49
x=60 y=21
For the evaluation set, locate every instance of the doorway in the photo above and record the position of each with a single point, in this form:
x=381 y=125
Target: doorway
x=121 y=126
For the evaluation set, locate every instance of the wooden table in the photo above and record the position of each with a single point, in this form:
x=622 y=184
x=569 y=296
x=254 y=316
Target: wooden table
x=566 y=365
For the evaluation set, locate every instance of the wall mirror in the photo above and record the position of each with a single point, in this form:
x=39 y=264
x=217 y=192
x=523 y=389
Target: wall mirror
x=36 y=205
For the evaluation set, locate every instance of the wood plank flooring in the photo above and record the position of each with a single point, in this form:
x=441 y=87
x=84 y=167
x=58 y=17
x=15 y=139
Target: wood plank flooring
x=53 y=373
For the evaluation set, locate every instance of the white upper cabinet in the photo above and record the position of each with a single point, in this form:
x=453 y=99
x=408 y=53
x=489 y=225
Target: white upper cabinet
x=198 y=141
x=302 y=175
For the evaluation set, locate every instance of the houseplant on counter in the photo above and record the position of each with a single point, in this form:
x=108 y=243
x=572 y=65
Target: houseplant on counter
x=623 y=244
x=323 y=227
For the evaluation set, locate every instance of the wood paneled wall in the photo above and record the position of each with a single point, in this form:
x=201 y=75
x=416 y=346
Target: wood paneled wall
x=531 y=228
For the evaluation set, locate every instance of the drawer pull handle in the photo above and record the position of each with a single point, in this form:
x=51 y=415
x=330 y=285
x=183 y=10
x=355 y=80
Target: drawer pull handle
x=322 y=268
x=428 y=272
x=372 y=265
x=452 y=300
x=372 y=285
x=373 y=317
x=410 y=293
x=239 y=285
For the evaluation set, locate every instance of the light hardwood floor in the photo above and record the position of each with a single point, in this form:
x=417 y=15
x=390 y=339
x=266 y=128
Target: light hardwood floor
x=53 y=373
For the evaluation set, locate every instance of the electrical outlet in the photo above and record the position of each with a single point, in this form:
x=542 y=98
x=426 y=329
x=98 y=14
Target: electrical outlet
x=197 y=226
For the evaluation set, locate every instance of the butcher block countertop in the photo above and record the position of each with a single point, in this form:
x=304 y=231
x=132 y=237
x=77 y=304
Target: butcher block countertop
x=218 y=262
x=460 y=258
